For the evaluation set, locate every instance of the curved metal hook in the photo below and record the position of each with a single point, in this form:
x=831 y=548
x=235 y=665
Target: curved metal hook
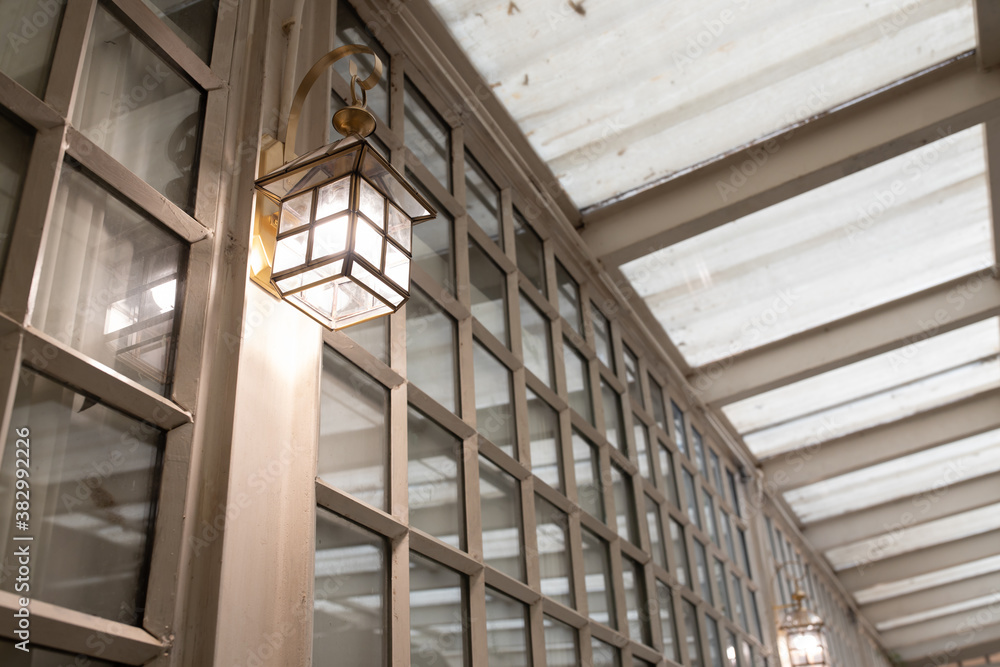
x=311 y=77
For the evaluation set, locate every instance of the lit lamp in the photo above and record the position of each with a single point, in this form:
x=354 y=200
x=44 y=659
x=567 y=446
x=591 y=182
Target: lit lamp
x=339 y=245
x=800 y=635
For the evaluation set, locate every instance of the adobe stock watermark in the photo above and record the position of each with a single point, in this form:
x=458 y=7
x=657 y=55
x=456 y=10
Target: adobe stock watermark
x=33 y=20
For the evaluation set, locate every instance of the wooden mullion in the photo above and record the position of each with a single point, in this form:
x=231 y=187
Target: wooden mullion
x=69 y=55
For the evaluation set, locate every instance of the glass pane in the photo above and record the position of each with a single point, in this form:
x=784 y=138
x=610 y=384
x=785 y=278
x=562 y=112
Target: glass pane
x=621 y=486
x=351 y=30
x=350 y=619
x=659 y=407
x=193 y=21
x=746 y=552
x=680 y=432
x=488 y=293
x=708 y=507
x=110 y=281
x=741 y=616
x=681 y=567
x=13 y=165
x=482 y=199
x=432 y=241
x=605 y=655
x=669 y=484
x=552 y=532
x=427 y=136
x=714 y=648
x=431 y=362
x=691 y=632
x=92 y=501
x=691 y=498
x=632 y=376
x=701 y=562
x=569 y=298
x=11 y=656
x=373 y=336
x=720 y=585
x=507 y=642
x=636 y=604
x=587 y=466
x=614 y=420
x=602 y=337
x=727 y=536
x=665 y=605
x=27 y=48
x=699 y=451
x=438 y=615
x=434 y=478
x=353 y=431
x=494 y=403
x=577 y=381
x=530 y=253
x=140 y=110
x=657 y=545
x=755 y=615
x=546 y=452
x=734 y=490
x=562 y=644
x=642 y=450
x=859 y=242
x=597 y=570
x=716 y=468
x=536 y=339
x=730 y=660
x=500 y=503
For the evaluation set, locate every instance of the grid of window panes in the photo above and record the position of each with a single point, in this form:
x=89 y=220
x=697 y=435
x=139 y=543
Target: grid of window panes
x=103 y=196
x=540 y=496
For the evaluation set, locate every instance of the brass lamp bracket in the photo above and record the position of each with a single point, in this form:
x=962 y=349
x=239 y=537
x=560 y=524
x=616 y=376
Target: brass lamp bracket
x=354 y=120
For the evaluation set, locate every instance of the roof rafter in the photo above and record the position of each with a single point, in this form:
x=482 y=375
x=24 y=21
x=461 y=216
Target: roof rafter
x=928 y=505
x=893 y=325
x=898 y=119
x=948 y=423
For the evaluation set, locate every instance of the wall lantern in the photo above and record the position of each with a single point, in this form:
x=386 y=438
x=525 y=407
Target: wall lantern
x=339 y=246
x=801 y=640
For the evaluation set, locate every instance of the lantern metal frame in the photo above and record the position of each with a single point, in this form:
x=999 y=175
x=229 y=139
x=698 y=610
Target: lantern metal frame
x=401 y=206
x=800 y=621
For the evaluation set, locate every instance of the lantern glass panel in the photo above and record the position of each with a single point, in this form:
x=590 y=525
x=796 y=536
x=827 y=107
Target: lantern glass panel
x=371 y=204
x=330 y=238
x=377 y=172
x=368 y=243
x=301 y=174
x=295 y=212
x=333 y=198
x=400 y=228
x=397 y=266
x=290 y=252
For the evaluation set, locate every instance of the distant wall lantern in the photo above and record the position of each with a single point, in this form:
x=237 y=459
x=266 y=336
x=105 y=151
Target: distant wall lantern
x=339 y=245
x=801 y=638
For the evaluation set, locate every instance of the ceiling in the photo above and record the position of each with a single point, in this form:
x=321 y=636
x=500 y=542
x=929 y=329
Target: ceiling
x=800 y=195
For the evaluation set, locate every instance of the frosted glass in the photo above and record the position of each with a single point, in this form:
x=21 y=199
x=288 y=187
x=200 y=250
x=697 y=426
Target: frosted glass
x=609 y=127
x=864 y=240
x=434 y=480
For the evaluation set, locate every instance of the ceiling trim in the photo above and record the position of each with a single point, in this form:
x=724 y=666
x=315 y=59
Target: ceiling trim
x=933 y=104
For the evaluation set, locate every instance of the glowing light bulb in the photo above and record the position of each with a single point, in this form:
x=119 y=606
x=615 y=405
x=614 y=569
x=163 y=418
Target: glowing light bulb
x=165 y=295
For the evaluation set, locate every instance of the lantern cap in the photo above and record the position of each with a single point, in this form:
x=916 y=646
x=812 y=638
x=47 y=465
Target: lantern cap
x=801 y=617
x=354 y=120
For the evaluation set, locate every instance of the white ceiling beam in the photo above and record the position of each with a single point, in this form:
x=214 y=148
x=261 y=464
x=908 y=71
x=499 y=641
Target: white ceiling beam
x=893 y=325
x=960 y=628
x=919 y=508
x=987 y=33
x=931 y=598
x=948 y=423
x=923 y=561
x=898 y=119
